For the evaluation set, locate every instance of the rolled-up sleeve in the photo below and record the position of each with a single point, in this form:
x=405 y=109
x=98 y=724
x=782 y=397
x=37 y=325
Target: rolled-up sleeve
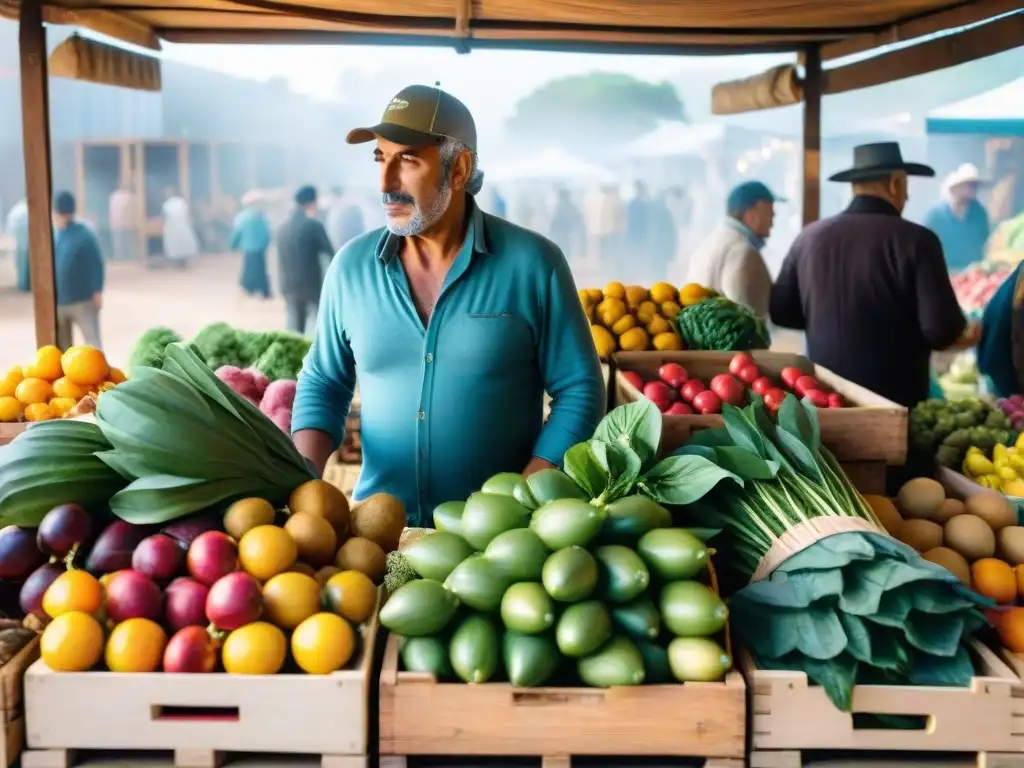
x=938 y=312
x=327 y=381
x=786 y=305
x=569 y=366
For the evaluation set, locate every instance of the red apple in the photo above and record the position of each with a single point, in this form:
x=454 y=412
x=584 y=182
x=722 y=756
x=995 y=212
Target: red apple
x=818 y=398
x=634 y=378
x=739 y=362
x=749 y=374
x=659 y=393
x=691 y=389
x=790 y=375
x=805 y=384
x=762 y=385
x=835 y=400
x=673 y=374
x=707 y=402
x=774 y=398
x=679 y=409
x=729 y=389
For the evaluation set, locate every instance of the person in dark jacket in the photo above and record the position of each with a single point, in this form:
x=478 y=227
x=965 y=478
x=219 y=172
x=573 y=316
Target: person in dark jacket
x=78 y=274
x=871 y=289
x=300 y=243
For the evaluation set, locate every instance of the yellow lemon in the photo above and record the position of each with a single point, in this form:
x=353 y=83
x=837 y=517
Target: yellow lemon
x=623 y=324
x=692 y=293
x=290 y=598
x=634 y=340
x=255 y=649
x=610 y=311
x=663 y=292
x=34 y=390
x=61 y=405
x=117 y=376
x=646 y=312
x=635 y=295
x=72 y=642
x=584 y=296
x=135 y=645
x=65 y=387
x=266 y=551
x=596 y=295
x=615 y=290
x=603 y=341
x=670 y=340
x=670 y=309
x=9 y=383
x=588 y=310
x=658 y=325
x=74 y=590
x=323 y=643
x=11 y=409
x=46 y=364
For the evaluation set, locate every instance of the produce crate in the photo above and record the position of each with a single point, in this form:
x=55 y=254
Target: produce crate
x=872 y=430
x=200 y=716
x=792 y=716
x=11 y=703
x=10 y=431
x=959 y=486
x=421 y=716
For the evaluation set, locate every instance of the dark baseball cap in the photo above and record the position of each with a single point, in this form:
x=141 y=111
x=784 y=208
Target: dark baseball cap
x=418 y=115
x=745 y=196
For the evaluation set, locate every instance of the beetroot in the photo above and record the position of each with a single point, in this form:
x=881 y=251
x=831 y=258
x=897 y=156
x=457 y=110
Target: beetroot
x=234 y=601
x=30 y=599
x=707 y=402
x=158 y=557
x=191 y=649
x=673 y=374
x=691 y=389
x=130 y=595
x=62 y=529
x=212 y=555
x=19 y=555
x=114 y=547
x=185 y=603
x=659 y=393
x=729 y=389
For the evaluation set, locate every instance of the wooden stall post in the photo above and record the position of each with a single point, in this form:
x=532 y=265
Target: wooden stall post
x=812 y=134
x=35 y=124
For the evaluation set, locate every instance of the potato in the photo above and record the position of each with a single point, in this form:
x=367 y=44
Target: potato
x=970 y=536
x=1011 y=544
x=950 y=508
x=920 y=498
x=993 y=508
x=952 y=561
x=922 y=535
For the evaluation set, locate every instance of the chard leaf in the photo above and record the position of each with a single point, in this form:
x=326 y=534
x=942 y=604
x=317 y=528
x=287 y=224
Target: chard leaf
x=712 y=438
x=622 y=465
x=636 y=426
x=794 y=418
x=584 y=467
x=162 y=498
x=745 y=464
x=744 y=430
x=683 y=479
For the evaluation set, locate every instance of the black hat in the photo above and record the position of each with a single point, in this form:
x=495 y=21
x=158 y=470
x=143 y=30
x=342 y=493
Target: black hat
x=64 y=203
x=305 y=195
x=877 y=161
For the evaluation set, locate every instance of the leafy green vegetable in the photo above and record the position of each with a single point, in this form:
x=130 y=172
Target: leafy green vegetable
x=150 y=347
x=720 y=324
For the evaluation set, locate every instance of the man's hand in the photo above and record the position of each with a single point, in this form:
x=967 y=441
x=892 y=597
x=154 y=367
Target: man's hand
x=536 y=465
x=970 y=337
x=97 y=300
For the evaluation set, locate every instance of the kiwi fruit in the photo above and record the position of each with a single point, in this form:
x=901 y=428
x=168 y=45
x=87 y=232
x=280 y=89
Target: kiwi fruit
x=246 y=514
x=314 y=537
x=921 y=498
x=993 y=508
x=922 y=535
x=320 y=498
x=363 y=555
x=950 y=508
x=1010 y=541
x=952 y=561
x=886 y=513
x=381 y=519
x=971 y=536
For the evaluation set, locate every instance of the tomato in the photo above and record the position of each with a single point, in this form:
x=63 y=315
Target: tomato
x=739 y=362
x=749 y=374
x=818 y=398
x=774 y=398
x=804 y=384
x=762 y=385
x=835 y=400
x=679 y=409
x=633 y=378
x=729 y=389
x=691 y=389
x=790 y=375
x=707 y=402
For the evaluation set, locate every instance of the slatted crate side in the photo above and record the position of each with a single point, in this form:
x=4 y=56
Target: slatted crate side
x=11 y=701
x=790 y=713
x=873 y=429
x=421 y=716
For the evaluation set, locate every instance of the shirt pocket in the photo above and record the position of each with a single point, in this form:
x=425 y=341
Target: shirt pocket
x=492 y=341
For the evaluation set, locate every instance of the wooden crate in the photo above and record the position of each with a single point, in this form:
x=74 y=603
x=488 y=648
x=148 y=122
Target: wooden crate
x=791 y=716
x=874 y=430
x=200 y=717
x=420 y=716
x=11 y=702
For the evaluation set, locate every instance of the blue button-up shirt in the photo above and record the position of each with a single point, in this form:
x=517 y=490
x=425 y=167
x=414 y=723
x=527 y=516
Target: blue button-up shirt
x=444 y=407
x=77 y=264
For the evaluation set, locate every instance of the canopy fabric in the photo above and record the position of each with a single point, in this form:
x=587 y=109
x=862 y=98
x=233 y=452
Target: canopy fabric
x=675 y=140
x=997 y=112
x=549 y=165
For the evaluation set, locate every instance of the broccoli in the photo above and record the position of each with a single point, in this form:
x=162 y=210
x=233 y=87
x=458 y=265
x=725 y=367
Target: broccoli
x=399 y=572
x=965 y=420
x=960 y=439
x=948 y=456
x=997 y=419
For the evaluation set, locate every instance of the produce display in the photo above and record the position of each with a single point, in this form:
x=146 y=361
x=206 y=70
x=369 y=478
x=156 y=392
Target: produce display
x=633 y=318
x=975 y=286
x=962 y=380
x=578 y=576
x=53 y=383
x=822 y=588
x=718 y=324
x=676 y=393
x=1000 y=469
x=274 y=398
x=946 y=429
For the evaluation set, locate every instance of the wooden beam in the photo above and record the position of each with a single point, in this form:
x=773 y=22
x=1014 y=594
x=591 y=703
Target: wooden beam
x=812 y=135
x=948 y=51
x=116 y=25
x=959 y=16
x=35 y=125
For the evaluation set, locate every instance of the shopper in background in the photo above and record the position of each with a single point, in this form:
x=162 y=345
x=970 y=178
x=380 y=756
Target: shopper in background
x=729 y=260
x=959 y=220
x=251 y=236
x=78 y=273
x=344 y=218
x=301 y=241
x=180 y=243
x=17 y=229
x=124 y=234
x=871 y=289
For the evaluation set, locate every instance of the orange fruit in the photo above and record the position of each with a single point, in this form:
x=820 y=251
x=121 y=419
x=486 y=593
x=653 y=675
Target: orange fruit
x=61 y=405
x=9 y=383
x=117 y=376
x=86 y=366
x=323 y=643
x=290 y=598
x=75 y=590
x=65 y=387
x=33 y=391
x=135 y=645
x=40 y=412
x=994 y=579
x=1011 y=629
x=46 y=364
x=72 y=642
x=11 y=409
x=266 y=551
x=255 y=649
x=352 y=595
x=1019 y=573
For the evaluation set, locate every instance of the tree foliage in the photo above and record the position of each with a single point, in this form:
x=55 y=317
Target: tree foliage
x=594 y=110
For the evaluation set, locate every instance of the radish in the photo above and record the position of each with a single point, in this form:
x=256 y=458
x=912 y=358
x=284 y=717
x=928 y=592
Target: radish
x=673 y=374
x=634 y=378
x=679 y=409
x=804 y=384
x=659 y=393
x=790 y=375
x=729 y=389
x=739 y=362
x=707 y=402
x=691 y=389
x=749 y=374
x=762 y=385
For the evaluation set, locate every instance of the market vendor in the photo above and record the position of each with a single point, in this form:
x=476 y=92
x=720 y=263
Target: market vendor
x=456 y=321
x=959 y=220
x=870 y=288
x=1000 y=352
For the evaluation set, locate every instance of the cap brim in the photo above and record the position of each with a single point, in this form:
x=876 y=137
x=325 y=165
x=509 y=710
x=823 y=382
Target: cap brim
x=398 y=134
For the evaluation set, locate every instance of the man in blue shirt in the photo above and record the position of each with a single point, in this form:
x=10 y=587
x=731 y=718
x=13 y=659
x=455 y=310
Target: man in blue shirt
x=959 y=220
x=456 y=321
x=78 y=269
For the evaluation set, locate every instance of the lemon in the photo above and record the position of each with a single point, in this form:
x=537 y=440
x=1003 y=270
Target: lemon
x=692 y=293
x=61 y=405
x=646 y=312
x=634 y=340
x=658 y=325
x=11 y=409
x=588 y=310
x=33 y=390
x=9 y=383
x=596 y=295
x=623 y=324
x=117 y=376
x=72 y=642
x=603 y=341
x=615 y=290
x=255 y=649
x=610 y=311
x=584 y=297
x=266 y=551
x=663 y=292
x=135 y=645
x=351 y=595
x=670 y=340
x=73 y=591
x=65 y=387
x=46 y=364
x=323 y=643
x=635 y=295
x=290 y=598
x=670 y=310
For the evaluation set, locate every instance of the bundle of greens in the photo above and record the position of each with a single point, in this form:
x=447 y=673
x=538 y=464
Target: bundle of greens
x=187 y=442
x=722 y=325
x=148 y=351
x=829 y=593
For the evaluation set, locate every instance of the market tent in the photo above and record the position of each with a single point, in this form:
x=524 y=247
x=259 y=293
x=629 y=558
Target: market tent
x=996 y=112
x=549 y=165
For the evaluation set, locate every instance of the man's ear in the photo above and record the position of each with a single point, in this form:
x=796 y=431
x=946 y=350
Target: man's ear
x=462 y=168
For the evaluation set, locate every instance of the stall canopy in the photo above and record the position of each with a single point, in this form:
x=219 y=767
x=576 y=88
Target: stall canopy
x=550 y=165
x=999 y=112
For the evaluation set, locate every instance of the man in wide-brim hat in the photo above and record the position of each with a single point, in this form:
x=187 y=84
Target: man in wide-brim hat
x=870 y=288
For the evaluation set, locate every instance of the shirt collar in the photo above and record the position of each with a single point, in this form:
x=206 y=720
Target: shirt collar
x=476 y=234
x=744 y=230
x=871 y=204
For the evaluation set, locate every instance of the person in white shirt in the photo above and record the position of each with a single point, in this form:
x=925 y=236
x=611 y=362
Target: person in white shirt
x=729 y=260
